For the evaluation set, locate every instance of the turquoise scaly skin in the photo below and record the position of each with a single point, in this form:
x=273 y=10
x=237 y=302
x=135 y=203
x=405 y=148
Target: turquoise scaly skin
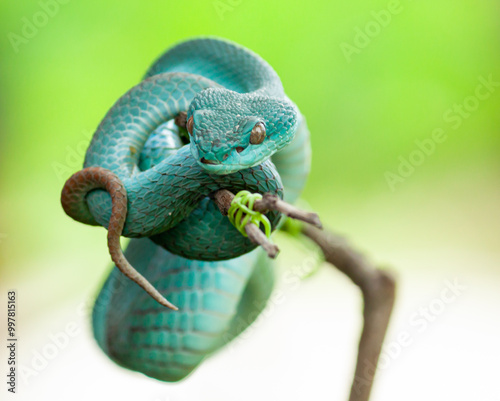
x=201 y=263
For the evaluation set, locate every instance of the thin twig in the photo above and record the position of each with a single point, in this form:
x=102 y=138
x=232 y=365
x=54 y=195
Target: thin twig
x=377 y=286
x=259 y=238
x=378 y=289
x=273 y=202
x=223 y=199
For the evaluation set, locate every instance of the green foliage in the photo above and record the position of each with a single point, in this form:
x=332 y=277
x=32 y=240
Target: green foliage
x=364 y=111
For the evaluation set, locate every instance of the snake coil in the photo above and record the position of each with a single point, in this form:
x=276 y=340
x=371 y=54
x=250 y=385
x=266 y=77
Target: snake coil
x=142 y=181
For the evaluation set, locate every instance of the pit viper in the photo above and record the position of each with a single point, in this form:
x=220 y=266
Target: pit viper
x=146 y=178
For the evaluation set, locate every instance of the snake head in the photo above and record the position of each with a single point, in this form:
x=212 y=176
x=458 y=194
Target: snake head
x=232 y=131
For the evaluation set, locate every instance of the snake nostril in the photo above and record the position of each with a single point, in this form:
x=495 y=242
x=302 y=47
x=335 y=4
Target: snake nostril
x=225 y=156
x=240 y=149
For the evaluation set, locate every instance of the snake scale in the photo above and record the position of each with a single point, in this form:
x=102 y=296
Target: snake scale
x=143 y=179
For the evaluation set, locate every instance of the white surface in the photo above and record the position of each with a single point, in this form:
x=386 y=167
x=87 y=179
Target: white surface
x=304 y=349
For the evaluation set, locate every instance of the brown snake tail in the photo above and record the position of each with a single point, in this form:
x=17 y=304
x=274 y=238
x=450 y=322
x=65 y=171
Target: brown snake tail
x=74 y=204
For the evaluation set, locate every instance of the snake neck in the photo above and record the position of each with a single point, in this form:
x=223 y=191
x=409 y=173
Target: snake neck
x=122 y=134
x=293 y=162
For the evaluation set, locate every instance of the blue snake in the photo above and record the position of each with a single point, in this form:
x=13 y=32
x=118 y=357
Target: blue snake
x=146 y=178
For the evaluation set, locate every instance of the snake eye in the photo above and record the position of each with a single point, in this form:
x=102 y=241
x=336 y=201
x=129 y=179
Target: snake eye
x=189 y=125
x=258 y=134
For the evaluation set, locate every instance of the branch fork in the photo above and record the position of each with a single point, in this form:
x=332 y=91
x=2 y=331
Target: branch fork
x=378 y=286
x=223 y=199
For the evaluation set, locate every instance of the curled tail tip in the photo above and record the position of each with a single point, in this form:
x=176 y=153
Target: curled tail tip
x=169 y=305
x=155 y=294
x=129 y=271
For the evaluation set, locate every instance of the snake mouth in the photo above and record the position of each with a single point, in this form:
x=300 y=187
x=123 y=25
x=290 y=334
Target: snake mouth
x=207 y=161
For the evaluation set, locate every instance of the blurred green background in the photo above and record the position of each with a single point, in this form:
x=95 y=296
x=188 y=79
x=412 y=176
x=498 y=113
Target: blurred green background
x=365 y=112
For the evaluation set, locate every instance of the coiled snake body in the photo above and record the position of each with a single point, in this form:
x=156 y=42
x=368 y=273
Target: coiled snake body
x=140 y=180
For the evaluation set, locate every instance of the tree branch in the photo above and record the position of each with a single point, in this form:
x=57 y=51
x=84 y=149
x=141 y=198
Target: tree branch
x=377 y=286
x=378 y=289
x=273 y=202
x=223 y=199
